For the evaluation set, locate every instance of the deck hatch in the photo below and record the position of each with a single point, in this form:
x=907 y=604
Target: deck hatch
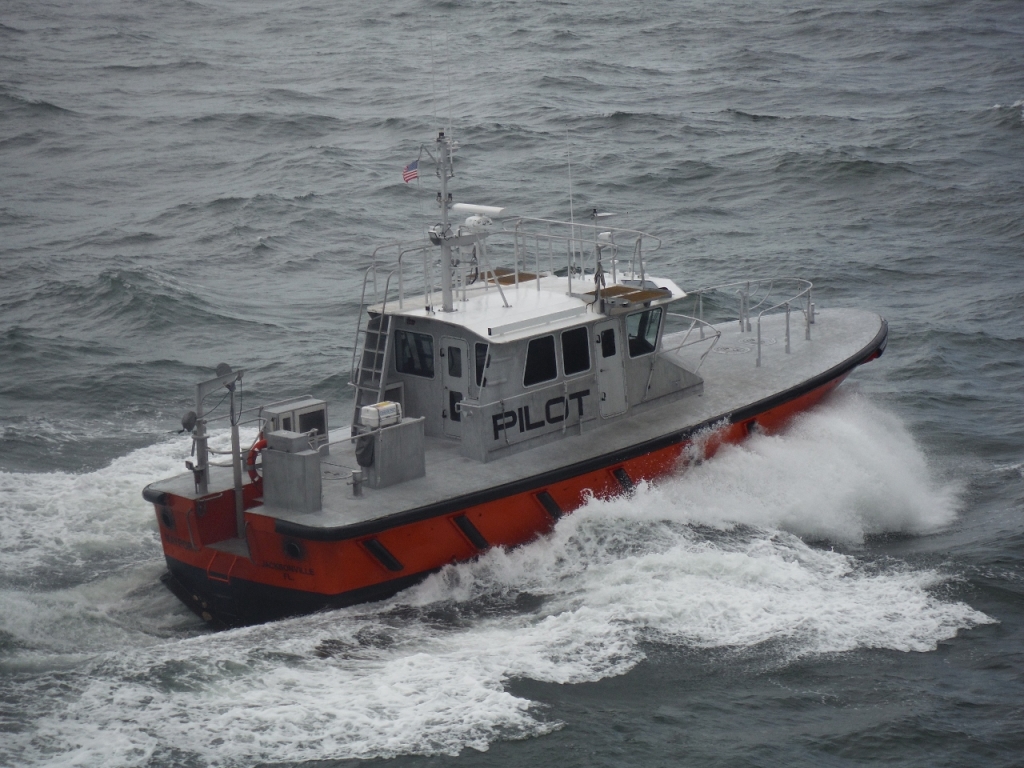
x=550 y=505
x=381 y=552
x=471 y=531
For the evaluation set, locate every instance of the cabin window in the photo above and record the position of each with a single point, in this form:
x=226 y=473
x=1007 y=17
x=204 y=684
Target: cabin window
x=576 y=351
x=608 y=343
x=481 y=363
x=642 y=330
x=455 y=362
x=540 y=361
x=414 y=353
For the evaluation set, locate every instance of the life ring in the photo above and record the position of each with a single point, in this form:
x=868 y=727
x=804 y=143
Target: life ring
x=250 y=460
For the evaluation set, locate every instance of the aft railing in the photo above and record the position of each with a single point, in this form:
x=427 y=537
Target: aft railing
x=764 y=295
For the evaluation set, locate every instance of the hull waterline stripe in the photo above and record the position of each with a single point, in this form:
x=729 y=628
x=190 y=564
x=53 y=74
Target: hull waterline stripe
x=471 y=531
x=341 y=533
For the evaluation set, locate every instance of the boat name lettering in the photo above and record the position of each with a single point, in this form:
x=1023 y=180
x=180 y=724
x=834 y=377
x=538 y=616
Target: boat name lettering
x=556 y=410
x=288 y=568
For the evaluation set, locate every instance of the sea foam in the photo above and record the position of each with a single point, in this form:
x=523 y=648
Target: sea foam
x=711 y=558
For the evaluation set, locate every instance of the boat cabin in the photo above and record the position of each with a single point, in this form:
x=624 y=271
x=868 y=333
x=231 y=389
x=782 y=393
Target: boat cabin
x=507 y=371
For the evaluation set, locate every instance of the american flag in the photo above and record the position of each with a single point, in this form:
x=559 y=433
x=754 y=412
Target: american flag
x=411 y=171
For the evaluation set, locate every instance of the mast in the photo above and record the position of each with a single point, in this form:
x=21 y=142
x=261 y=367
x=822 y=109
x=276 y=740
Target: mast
x=444 y=167
x=226 y=378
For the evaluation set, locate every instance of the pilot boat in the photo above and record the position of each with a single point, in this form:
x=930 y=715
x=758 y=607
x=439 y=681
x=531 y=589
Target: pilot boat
x=505 y=370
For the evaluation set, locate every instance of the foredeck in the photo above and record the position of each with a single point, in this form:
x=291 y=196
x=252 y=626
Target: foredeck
x=733 y=385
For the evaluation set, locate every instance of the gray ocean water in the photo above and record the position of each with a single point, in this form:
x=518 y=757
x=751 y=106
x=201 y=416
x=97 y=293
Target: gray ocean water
x=183 y=183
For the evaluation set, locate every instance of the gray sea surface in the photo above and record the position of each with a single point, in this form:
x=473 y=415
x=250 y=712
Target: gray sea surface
x=184 y=183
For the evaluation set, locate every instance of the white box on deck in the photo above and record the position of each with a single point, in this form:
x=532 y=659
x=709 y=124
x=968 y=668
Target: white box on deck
x=382 y=414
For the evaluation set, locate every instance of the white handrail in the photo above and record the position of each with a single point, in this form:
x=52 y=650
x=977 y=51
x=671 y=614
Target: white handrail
x=744 y=291
x=695 y=323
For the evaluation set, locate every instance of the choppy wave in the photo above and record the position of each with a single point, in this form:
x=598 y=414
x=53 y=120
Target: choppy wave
x=833 y=165
x=709 y=559
x=271 y=125
x=157 y=219
x=65 y=528
x=1010 y=115
x=19 y=142
x=171 y=66
x=131 y=299
x=9 y=217
x=34 y=107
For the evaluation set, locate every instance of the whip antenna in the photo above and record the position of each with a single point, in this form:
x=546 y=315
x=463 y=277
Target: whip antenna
x=448 y=66
x=572 y=221
x=433 y=75
x=568 y=160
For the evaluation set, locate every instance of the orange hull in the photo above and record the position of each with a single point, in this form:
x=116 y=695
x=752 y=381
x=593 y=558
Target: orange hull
x=296 y=569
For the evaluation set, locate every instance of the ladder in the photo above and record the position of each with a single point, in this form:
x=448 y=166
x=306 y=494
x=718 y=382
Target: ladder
x=368 y=372
x=369 y=376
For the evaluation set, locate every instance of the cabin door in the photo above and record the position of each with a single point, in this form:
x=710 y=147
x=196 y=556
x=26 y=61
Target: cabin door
x=611 y=378
x=455 y=369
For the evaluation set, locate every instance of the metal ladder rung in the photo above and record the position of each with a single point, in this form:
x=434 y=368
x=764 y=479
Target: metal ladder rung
x=373 y=364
